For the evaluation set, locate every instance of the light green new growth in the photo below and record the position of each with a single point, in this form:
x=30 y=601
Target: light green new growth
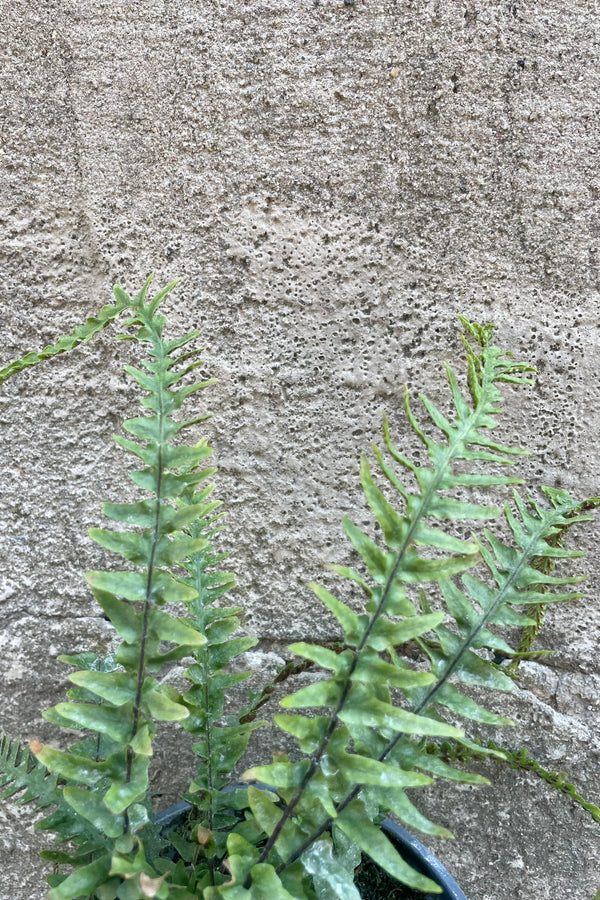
x=515 y=759
x=81 y=335
x=364 y=730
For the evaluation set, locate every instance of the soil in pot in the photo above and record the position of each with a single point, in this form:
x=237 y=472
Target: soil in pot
x=375 y=884
x=372 y=881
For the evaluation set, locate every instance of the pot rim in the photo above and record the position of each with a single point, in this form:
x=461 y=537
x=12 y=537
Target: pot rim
x=424 y=860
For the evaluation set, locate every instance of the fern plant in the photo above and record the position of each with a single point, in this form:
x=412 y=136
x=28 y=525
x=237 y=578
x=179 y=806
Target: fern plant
x=364 y=729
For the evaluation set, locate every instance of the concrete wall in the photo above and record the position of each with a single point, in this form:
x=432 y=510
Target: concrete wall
x=333 y=182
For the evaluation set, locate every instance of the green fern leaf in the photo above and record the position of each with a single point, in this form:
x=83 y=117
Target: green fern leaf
x=357 y=747
x=21 y=772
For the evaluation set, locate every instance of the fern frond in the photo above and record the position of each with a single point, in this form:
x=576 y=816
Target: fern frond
x=363 y=747
x=106 y=776
x=481 y=604
x=26 y=781
x=21 y=774
x=219 y=741
x=81 y=334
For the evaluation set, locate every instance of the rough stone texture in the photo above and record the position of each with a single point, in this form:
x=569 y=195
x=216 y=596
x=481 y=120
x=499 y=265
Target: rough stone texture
x=332 y=182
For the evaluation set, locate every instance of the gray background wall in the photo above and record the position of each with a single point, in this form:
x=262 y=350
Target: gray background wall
x=333 y=183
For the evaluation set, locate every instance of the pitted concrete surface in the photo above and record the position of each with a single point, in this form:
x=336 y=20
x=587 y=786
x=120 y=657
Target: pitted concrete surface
x=333 y=182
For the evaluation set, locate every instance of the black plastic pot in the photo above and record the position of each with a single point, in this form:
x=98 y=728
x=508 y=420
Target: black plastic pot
x=423 y=860
x=413 y=851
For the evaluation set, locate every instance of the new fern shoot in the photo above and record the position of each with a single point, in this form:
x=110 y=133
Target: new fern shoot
x=363 y=730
